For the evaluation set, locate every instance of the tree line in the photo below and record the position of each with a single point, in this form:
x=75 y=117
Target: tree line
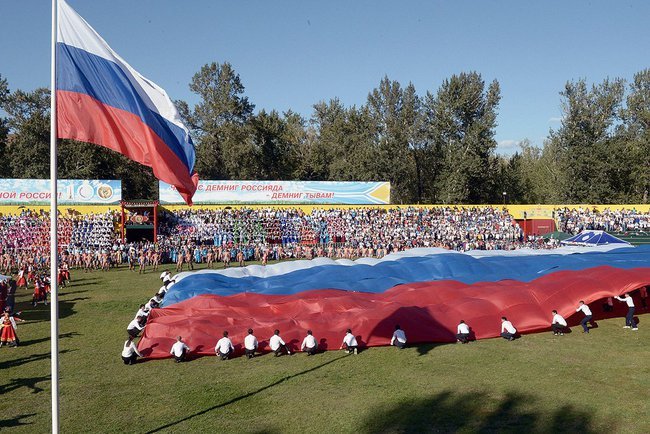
x=434 y=147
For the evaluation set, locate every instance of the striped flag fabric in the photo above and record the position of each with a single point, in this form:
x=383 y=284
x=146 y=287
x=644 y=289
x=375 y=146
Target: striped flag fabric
x=101 y=99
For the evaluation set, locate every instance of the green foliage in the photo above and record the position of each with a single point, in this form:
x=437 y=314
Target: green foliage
x=463 y=114
x=435 y=147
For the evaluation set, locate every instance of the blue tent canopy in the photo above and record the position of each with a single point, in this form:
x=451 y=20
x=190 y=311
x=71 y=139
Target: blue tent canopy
x=593 y=238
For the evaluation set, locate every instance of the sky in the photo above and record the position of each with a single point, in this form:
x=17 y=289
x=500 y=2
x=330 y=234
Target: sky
x=292 y=54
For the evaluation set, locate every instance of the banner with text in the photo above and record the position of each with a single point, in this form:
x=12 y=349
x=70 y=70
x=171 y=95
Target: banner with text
x=70 y=191
x=281 y=192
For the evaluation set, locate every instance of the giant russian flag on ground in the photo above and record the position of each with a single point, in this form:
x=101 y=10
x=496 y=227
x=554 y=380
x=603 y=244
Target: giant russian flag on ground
x=101 y=99
x=426 y=291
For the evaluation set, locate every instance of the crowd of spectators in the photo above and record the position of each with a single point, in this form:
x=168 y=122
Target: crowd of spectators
x=575 y=220
x=91 y=241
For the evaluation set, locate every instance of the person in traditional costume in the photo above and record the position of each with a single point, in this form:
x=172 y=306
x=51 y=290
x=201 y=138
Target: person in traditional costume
x=8 y=334
x=22 y=279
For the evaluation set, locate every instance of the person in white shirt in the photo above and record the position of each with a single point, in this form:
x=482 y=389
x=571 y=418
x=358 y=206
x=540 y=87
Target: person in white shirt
x=130 y=352
x=558 y=324
x=508 y=331
x=277 y=344
x=462 y=332
x=399 y=338
x=250 y=344
x=629 y=318
x=179 y=350
x=165 y=276
x=135 y=327
x=582 y=307
x=142 y=312
x=224 y=347
x=309 y=344
x=350 y=342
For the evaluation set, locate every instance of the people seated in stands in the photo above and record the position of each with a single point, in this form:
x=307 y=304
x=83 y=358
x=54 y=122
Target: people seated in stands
x=277 y=344
x=629 y=317
x=399 y=338
x=130 y=352
x=179 y=350
x=508 y=331
x=462 y=332
x=582 y=307
x=250 y=344
x=224 y=347
x=135 y=327
x=558 y=324
x=350 y=342
x=309 y=344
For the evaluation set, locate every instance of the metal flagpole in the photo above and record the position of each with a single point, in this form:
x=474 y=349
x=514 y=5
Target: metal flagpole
x=54 y=290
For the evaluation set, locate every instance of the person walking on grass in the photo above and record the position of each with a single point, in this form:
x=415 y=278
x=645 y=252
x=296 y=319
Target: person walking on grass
x=582 y=307
x=558 y=324
x=629 y=318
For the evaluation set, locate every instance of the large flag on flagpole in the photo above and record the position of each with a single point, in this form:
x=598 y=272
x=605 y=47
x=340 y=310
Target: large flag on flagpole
x=101 y=99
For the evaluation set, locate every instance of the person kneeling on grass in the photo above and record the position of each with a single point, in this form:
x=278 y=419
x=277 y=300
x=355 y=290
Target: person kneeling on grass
x=508 y=331
x=277 y=344
x=135 y=327
x=399 y=338
x=309 y=344
x=350 y=342
x=130 y=352
x=179 y=350
x=462 y=332
x=224 y=347
x=558 y=324
x=250 y=344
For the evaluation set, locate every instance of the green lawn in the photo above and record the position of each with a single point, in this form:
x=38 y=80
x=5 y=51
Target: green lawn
x=577 y=383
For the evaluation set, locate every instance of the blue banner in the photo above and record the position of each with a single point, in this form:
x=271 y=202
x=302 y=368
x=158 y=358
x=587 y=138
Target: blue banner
x=282 y=192
x=70 y=191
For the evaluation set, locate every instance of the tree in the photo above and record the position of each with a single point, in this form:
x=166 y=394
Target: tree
x=276 y=139
x=462 y=121
x=637 y=137
x=220 y=123
x=390 y=117
x=584 y=140
x=29 y=123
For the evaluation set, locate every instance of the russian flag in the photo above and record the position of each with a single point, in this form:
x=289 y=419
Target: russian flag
x=101 y=99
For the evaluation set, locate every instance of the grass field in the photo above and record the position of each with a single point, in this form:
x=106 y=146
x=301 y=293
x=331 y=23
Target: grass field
x=577 y=383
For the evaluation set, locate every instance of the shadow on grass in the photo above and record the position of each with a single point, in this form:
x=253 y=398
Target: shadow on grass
x=29 y=382
x=28 y=359
x=41 y=313
x=47 y=339
x=16 y=421
x=448 y=412
x=247 y=395
x=419 y=326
